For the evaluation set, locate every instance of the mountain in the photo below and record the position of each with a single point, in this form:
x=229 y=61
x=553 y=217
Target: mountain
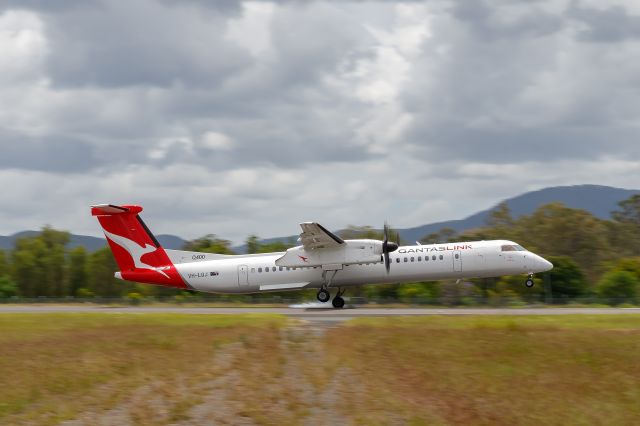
x=598 y=200
x=90 y=243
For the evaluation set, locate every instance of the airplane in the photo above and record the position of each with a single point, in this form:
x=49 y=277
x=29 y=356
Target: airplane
x=323 y=261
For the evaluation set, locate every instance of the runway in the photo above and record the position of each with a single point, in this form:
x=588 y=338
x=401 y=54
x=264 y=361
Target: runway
x=317 y=314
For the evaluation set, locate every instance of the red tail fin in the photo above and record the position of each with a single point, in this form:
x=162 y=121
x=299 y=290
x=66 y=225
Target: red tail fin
x=137 y=252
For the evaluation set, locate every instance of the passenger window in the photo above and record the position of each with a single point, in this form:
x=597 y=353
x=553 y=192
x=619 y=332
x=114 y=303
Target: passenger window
x=419 y=258
x=412 y=258
x=441 y=257
x=253 y=270
x=406 y=260
x=433 y=257
x=259 y=269
x=397 y=260
x=457 y=256
x=266 y=269
x=281 y=268
x=273 y=269
x=288 y=268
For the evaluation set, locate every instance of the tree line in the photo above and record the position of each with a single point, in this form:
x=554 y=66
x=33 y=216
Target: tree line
x=593 y=258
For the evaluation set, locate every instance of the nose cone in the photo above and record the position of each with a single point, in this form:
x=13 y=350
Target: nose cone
x=545 y=265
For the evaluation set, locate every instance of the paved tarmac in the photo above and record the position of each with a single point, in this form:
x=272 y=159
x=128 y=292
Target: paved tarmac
x=318 y=314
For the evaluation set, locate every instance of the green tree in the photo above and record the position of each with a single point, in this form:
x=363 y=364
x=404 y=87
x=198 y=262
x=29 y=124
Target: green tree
x=28 y=266
x=445 y=235
x=566 y=279
x=39 y=263
x=7 y=287
x=209 y=244
x=556 y=230
x=500 y=217
x=353 y=232
x=421 y=292
x=618 y=286
x=4 y=264
x=626 y=227
x=629 y=211
x=254 y=245
x=77 y=270
x=102 y=282
x=630 y=264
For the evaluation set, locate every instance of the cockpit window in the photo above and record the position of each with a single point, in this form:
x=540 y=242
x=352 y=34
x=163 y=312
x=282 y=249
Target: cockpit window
x=512 y=247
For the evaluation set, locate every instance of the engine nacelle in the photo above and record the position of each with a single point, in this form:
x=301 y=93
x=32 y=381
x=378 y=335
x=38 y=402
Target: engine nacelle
x=351 y=252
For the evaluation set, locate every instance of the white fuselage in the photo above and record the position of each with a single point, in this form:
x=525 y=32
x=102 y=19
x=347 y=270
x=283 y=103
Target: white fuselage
x=214 y=273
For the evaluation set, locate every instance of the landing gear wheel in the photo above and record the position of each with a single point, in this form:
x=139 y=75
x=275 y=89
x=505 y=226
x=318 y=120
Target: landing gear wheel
x=529 y=282
x=338 y=302
x=323 y=295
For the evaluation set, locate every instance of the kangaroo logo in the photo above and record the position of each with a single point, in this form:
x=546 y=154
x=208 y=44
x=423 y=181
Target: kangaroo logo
x=135 y=250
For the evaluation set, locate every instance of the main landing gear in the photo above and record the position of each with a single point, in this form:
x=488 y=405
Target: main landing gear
x=323 y=296
x=338 y=301
x=529 y=283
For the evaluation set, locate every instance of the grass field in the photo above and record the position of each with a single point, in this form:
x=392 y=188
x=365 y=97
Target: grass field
x=141 y=369
x=579 y=370
x=55 y=366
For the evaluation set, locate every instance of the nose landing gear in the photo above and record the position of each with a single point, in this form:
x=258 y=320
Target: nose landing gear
x=529 y=283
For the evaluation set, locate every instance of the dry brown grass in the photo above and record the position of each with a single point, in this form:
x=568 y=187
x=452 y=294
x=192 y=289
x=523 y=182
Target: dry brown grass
x=86 y=369
x=54 y=366
x=498 y=371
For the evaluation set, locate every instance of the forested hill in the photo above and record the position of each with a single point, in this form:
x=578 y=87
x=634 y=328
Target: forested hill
x=598 y=200
x=90 y=243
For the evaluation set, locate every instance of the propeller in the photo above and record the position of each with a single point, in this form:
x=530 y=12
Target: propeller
x=388 y=247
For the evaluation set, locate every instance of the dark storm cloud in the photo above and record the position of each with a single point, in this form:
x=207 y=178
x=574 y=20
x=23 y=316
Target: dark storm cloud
x=512 y=145
x=168 y=73
x=230 y=7
x=52 y=153
x=481 y=17
x=43 y=5
x=510 y=89
x=610 y=25
x=242 y=114
x=139 y=43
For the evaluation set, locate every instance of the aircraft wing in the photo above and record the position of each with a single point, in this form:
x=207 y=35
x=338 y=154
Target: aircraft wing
x=315 y=236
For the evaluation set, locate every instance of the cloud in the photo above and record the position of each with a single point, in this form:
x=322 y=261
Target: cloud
x=609 y=25
x=237 y=117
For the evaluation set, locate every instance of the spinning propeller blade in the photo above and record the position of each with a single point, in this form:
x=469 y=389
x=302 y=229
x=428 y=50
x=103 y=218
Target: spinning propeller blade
x=388 y=247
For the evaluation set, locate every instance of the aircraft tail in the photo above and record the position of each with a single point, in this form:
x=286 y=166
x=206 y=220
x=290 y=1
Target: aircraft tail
x=138 y=253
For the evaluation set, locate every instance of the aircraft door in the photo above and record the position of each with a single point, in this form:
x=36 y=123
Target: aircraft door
x=457 y=261
x=243 y=275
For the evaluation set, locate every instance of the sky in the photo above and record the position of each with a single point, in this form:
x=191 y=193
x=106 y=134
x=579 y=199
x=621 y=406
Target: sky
x=232 y=118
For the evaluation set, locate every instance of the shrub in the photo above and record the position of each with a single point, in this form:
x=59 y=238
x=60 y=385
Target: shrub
x=134 y=298
x=7 y=287
x=617 y=286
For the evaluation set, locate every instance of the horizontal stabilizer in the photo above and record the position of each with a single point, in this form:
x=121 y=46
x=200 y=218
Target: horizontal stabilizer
x=110 y=209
